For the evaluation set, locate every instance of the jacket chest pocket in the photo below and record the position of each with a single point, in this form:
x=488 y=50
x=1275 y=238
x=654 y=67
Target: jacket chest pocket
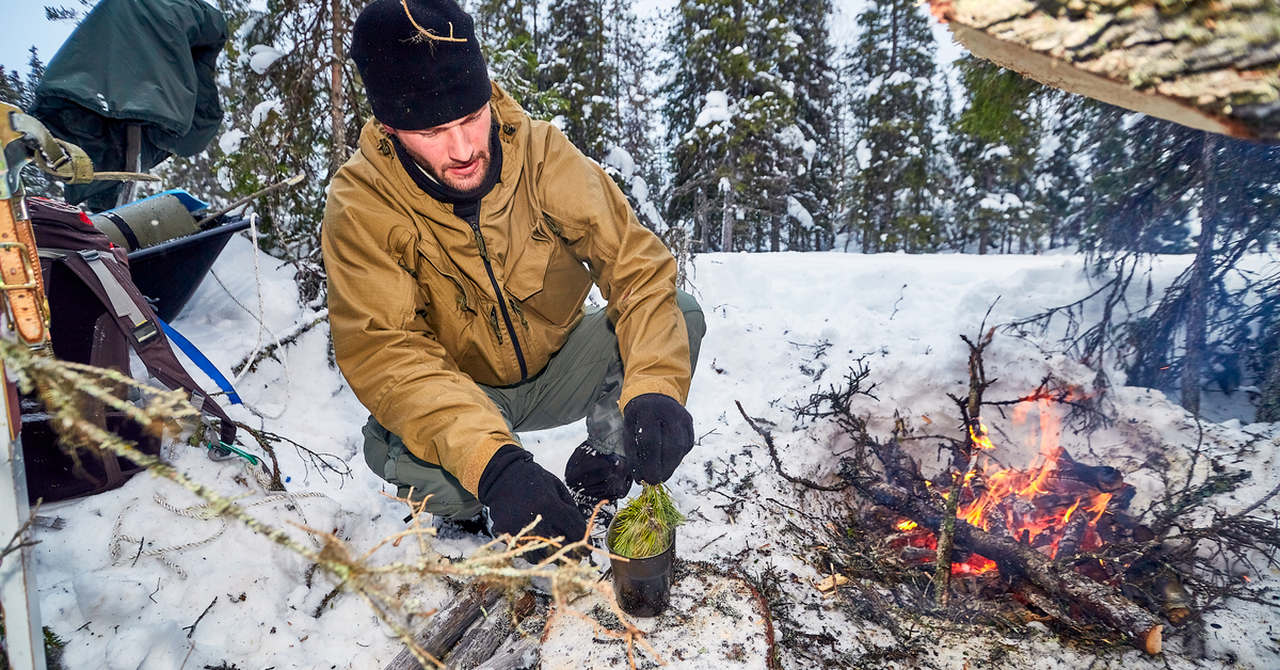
x=547 y=279
x=447 y=288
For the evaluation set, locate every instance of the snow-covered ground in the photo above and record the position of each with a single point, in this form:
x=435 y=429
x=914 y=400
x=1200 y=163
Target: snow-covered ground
x=131 y=568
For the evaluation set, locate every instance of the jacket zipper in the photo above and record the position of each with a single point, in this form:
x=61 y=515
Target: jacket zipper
x=474 y=222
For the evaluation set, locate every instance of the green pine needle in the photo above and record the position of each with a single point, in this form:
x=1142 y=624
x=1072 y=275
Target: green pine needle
x=646 y=526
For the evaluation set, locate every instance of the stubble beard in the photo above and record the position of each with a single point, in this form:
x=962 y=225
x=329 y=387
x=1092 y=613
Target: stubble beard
x=469 y=187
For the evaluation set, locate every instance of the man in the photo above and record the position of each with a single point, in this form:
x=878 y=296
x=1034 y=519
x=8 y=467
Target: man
x=461 y=242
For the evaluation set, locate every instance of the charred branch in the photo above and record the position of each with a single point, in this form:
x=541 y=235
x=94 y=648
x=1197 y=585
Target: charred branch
x=1100 y=601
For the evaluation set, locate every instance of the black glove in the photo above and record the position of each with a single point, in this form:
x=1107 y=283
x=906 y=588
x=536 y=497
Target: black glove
x=659 y=432
x=515 y=489
x=597 y=475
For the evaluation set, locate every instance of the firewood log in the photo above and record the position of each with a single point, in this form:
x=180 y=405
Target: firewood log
x=1212 y=66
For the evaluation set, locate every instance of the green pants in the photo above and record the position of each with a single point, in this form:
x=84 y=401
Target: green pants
x=583 y=379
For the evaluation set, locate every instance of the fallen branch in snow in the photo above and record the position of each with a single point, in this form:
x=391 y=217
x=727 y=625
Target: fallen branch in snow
x=191 y=630
x=19 y=540
x=289 y=337
x=777 y=463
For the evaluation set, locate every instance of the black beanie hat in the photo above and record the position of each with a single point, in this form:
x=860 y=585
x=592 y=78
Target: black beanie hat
x=420 y=62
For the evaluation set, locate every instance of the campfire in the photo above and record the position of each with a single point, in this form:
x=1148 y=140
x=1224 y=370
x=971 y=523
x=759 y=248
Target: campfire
x=1055 y=505
x=1052 y=541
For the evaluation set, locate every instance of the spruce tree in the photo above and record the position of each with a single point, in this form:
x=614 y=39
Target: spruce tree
x=813 y=72
x=889 y=75
x=579 y=70
x=994 y=142
x=732 y=120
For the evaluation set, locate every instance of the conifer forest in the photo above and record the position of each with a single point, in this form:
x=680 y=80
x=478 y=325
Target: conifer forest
x=745 y=125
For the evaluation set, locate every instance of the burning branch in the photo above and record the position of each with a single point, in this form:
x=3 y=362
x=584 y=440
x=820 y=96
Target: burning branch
x=962 y=460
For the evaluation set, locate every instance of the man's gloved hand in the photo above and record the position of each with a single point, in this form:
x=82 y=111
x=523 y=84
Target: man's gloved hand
x=515 y=489
x=659 y=432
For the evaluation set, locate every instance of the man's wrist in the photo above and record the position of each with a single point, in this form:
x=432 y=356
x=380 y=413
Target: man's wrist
x=503 y=458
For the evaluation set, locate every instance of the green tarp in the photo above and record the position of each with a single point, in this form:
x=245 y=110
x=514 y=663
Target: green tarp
x=145 y=62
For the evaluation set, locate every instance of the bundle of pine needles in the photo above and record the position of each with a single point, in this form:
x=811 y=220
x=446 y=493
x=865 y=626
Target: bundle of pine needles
x=646 y=526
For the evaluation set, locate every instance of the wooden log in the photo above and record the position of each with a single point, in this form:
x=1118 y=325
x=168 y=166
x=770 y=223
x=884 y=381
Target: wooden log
x=1099 y=600
x=487 y=634
x=1212 y=66
x=521 y=650
x=1072 y=536
x=442 y=631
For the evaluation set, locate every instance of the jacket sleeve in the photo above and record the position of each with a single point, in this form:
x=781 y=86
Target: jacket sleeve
x=385 y=348
x=633 y=268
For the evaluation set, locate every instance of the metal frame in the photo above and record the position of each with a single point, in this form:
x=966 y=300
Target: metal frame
x=24 y=635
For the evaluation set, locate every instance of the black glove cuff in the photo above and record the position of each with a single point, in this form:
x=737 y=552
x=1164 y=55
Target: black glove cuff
x=504 y=457
x=651 y=400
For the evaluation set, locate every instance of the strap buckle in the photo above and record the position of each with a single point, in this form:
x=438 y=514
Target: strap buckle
x=26 y=266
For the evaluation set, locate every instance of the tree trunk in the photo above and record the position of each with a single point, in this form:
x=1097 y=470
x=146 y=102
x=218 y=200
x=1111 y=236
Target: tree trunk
x=727 y=219
x=1210 y=66
x=337 y=97
x=1193 y=360
x=1269 y=403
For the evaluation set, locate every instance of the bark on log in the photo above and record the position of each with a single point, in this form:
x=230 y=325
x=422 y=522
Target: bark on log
x=442 y=631
x=521 y=650
x=484 y=638
x=1099 y=600
x=1212 y=66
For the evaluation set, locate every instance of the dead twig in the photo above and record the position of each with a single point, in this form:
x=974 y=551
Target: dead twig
x=192 y=628
x=777 y=463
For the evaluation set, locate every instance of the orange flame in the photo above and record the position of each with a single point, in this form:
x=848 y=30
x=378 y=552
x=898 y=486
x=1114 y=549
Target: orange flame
x=1030 y=503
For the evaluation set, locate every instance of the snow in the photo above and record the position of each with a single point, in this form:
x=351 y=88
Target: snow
x=620 y=159
x=133 y=567
x=791 y=136
x=797 y=211
x=1000 y=202
x=714 y=110
x=230 y=141
x=262 y=110
x=262 y=57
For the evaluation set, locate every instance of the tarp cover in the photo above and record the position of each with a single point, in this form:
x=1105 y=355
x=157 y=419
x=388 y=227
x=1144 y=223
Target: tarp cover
x=146 y=62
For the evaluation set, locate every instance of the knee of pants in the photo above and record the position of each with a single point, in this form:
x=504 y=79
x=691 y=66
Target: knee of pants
x=387 y=457
x=695 y=322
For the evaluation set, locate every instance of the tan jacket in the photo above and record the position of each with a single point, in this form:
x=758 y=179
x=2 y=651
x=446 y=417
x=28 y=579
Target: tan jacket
x=415 y=319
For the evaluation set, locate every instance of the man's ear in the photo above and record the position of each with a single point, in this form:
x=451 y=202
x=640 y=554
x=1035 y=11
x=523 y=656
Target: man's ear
x=388 y=130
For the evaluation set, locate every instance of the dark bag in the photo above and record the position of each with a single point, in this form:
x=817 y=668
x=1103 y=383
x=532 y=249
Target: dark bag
x=96 y=316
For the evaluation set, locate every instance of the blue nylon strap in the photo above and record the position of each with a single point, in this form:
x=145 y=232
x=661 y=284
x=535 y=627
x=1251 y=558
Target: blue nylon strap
x=200 y=360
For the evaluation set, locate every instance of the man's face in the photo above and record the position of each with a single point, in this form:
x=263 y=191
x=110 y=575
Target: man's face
x=455 y=153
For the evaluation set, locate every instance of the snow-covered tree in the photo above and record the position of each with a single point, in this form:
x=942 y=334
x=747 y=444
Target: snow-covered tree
x=889 y=76
x=813 y=72
x=737 y=148
x=993 y=147
x=579 y=70
x=508 y=34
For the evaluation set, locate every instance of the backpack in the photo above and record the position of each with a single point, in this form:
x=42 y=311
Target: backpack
x=96 y=316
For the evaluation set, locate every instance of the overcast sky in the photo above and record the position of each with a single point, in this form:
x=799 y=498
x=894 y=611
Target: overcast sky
x=23 y=26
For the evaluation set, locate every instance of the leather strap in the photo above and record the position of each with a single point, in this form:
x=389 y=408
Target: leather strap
x=20 y=278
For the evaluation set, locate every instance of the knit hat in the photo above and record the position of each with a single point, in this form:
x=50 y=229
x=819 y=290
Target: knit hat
x=420 y=62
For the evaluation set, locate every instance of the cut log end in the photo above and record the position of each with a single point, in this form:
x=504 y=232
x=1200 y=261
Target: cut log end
x=1153 y=641
x=1214 y=71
